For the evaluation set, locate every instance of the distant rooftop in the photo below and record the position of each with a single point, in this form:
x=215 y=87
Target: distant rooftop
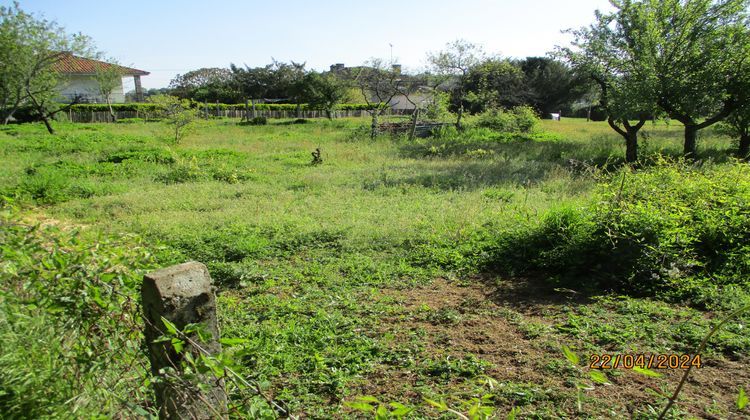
x=72 y=64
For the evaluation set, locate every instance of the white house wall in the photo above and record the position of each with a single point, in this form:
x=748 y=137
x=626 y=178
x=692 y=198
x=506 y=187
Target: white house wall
x=87 y=88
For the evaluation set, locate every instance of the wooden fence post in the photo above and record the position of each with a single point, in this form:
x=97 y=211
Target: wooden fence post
x=182 y=294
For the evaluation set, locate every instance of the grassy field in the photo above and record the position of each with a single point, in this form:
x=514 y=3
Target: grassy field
x=365 y=275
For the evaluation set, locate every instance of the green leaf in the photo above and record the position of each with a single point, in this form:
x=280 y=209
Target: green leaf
x=400 y=410
x=598 y=377
x=572 y=357
x=177 y=344
x=513 y=413
x=359 y=406
x=741 y=399
x=368 y=398
x=171 y=328
x=381 y=412
x=442 y=406
x=233 y=341
x=647 y=372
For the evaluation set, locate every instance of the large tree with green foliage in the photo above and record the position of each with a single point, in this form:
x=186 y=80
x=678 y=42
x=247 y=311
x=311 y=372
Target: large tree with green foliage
x=205 y=85
x=602 y=52
x=323 y=91
x=494 y=82
x=550 y=85
x=30 y=49
x=692 y=53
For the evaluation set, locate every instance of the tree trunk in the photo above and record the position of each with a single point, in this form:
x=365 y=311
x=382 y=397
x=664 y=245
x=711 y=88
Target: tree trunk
x=691 y=137
x=111 y=111
x=299 y=111
x=10 y=113
x=329 y=114
x=47 y=124
x=744 y=149
x=414 y=120
x=631 y=146
x=460 y=114
x=374 y=126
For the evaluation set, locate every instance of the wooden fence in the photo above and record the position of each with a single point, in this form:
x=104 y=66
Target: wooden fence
x=103 y=116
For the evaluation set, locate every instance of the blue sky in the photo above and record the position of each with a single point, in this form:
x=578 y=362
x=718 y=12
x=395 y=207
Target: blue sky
x=168 y=37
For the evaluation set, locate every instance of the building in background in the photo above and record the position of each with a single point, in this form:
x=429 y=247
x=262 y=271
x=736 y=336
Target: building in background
x=79 y=79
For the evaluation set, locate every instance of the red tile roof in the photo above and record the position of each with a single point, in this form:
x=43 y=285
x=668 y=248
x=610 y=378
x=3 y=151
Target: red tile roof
x=71 y=64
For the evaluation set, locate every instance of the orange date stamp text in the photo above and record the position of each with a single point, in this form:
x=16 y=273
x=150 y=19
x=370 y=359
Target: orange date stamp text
x=644 y=361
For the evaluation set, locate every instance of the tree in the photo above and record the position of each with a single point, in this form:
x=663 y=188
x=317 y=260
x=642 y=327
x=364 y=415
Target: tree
x=454 y=62
x=737 y=125
x=378 y=84
x=323 y=91
x=601 y=52
x=108 y=78
x=549 y=85
x=205 y=85
x=493 y=83
x=691 y=51
x=30 y=49
x=13 y=60
x=176 y=112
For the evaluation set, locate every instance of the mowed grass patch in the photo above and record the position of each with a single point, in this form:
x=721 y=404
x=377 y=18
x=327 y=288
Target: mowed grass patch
x=312 y=261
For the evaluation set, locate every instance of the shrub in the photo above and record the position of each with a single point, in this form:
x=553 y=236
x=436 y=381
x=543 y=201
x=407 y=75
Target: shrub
x=521 y=119
x=258 y=121
x=69 y=323
x=673 y=231
x=525 y=117
x=176 y=113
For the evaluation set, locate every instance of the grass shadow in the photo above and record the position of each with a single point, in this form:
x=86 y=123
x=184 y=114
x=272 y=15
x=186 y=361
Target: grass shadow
x=530 y=294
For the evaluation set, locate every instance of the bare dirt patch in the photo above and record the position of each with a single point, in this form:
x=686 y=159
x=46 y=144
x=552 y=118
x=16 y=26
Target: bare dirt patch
x=508 y=327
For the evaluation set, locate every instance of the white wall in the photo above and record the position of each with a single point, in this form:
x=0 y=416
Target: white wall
x=87 y=87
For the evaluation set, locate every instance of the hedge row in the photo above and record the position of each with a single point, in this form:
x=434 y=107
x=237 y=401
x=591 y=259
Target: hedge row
x=148 y=107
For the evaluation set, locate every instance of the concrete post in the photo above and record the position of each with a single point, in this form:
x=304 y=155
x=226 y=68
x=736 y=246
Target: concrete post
x=182 y=294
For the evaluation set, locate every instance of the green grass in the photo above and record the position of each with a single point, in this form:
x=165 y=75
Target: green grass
x=313 y=261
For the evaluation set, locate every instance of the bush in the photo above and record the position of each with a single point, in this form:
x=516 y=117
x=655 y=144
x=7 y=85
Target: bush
x=526 y=118
x=521 y=119
x=259 y=121
x=69 y=323
x=673 y=231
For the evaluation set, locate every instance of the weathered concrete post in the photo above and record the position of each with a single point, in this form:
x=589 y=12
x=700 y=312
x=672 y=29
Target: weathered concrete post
x=183 y=295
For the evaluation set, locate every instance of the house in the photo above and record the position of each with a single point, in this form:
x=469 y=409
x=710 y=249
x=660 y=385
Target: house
x=80 y=82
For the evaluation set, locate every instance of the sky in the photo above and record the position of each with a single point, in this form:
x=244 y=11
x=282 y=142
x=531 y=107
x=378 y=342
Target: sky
x=169 y=37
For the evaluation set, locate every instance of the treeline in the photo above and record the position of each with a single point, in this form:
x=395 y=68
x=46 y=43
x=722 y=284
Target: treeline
x=545 y=84
x=152 y=107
